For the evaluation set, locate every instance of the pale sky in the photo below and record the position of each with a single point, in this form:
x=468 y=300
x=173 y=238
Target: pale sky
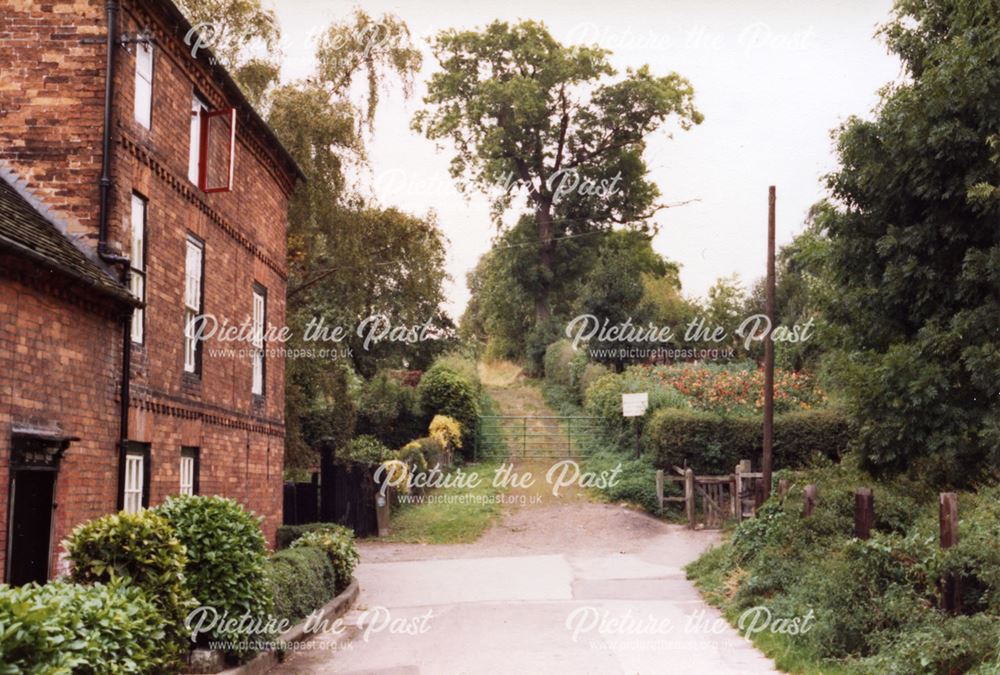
x=772 y=79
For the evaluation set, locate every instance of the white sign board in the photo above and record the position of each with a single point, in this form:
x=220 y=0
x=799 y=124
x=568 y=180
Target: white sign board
x=634 y=405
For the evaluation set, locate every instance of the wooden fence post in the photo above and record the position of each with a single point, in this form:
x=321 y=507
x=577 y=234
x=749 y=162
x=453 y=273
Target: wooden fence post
x=782 y=487
x=809 y=500
x=689 y=496
x=864 y=513
x=950 y=589
x=760 y=493
x=659 y=487
x=738 y=492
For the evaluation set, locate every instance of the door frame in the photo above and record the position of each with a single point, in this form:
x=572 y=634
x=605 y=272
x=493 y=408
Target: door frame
x=48 y=447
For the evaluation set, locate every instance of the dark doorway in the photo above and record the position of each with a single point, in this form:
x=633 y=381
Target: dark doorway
x=32 y=491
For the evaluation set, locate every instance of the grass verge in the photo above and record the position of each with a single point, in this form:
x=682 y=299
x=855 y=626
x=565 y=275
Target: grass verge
x=454 y=515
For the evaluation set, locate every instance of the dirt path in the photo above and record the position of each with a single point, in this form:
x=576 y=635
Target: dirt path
x=526 y=596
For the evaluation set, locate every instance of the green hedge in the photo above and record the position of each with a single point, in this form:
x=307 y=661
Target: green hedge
x=302 y=579
x=338 y=544
x=289 y=533
x=714 y=443
x=62 y=627
x=226 y=556
x=143 y=549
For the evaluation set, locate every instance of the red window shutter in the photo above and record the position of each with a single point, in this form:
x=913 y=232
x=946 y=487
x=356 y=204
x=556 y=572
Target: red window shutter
x=218 y=150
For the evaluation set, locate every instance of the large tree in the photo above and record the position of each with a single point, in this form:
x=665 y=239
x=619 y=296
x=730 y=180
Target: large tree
x=528 y=116
x=915 y=256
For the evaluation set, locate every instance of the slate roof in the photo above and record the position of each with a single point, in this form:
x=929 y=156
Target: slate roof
x=26 y=231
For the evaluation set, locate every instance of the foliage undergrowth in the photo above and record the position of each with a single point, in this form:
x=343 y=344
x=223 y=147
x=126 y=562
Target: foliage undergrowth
x=876 y=603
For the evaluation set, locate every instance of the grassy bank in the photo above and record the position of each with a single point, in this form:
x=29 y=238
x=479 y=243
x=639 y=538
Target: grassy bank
x=454 y=515
x=604 y=451
x=875 y=603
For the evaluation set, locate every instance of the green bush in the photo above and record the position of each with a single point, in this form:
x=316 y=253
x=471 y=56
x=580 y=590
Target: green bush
x=338 y=543
x=459 y=363
x=539 y=337
x=388 y=411
x=289 y=533
x=412 y=454
x=800 y=435
x=145 y=549
x=558 y=360
x=443 y=391
x=876 y=603
x=99 y=628
x=364 y=449
x=226 y=557
x=577 y=366
x=603 y=399
x=301 y=580
x=706 y=442
x=590 y=373
x=713 y=443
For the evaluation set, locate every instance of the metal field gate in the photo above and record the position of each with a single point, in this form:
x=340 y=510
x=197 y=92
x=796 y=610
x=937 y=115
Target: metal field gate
x=533 y=436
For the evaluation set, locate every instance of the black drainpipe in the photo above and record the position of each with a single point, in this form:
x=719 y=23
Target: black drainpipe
x=102 y=242
x=109 y=91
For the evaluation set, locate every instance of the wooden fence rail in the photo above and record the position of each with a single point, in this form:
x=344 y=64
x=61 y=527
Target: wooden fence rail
x=721 y=497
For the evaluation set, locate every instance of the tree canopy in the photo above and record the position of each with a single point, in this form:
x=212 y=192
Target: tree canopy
x=915 y=247
x=530 y=117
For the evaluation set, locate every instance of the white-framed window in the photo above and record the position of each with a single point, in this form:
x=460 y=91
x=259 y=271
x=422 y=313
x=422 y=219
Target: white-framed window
x=257 y=338
x=143 y=100
x=198 y=106
x=193 y=271
x=189 y=471
x=137 y=259
x=135 y=482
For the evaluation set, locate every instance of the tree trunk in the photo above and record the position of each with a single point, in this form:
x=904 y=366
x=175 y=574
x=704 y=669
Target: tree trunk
x=543 y=220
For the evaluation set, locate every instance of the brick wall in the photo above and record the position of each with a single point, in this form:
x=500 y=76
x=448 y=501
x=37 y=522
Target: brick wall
x=61 y=369
x=51 y=108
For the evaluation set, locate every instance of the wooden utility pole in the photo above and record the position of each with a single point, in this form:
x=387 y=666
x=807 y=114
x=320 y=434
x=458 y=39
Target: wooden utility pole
x=767 y=466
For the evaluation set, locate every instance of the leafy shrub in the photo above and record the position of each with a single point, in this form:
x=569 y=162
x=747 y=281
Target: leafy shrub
x=366 y=450
x=388 y=410
x=591 y=373
x=540 y=336
x=635 y=482
x=443 y=391
x=558 y=359
x=287 y=534
x=603 y=398
x=100 y=628
x=338 y=543
x=144 y=548
x=577 y=367
x=800 y=435
x=447 y=431
x=413 y=456
x=432 y=451
x=715 y=443
x=226 y=557
x=877 y=602
x=459 y=363
x=937 y=645
x=301 y=580
x=707 y=442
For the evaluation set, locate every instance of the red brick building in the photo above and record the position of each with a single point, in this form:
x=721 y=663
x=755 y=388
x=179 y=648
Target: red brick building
x=120 y=225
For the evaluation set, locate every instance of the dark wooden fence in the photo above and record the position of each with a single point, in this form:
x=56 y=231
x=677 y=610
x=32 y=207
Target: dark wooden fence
x=301 y=503
x=345 y=494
